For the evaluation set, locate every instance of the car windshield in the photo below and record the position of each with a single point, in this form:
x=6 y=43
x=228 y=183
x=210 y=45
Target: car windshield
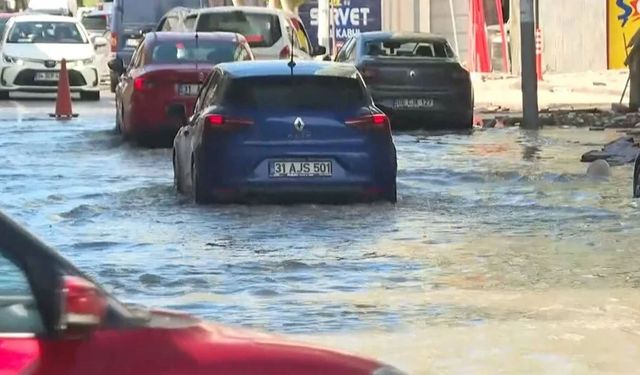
x=46 y=32
x=95 y=22
x=408 y=48
x=286 y=93
x=150 y=11
x=261 y=30
x=205 y=51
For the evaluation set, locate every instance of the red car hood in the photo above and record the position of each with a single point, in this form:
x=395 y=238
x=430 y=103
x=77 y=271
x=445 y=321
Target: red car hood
x=202 y=338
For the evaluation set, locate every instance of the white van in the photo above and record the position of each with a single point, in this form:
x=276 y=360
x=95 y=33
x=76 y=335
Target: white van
x=54 y=7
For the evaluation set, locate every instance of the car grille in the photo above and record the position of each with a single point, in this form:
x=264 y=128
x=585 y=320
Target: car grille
x=26 y=78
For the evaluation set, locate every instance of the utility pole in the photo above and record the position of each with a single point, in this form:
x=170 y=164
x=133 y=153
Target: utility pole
x=528 y=75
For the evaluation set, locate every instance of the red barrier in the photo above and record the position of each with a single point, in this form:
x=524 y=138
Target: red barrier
x=479 y=53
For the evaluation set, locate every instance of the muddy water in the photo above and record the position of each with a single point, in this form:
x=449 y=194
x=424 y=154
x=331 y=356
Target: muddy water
x=500 y=257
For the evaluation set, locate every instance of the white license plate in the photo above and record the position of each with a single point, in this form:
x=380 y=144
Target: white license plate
x=414 y=103
x=46 y=76
x=301 y=169
x=188 y=90
x=132 y=42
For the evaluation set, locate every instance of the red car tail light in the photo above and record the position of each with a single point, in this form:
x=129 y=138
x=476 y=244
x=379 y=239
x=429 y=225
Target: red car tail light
x=217 y=121
x=374 y=121
x=285 y=53
x=114 y=42
x=254 y=38
x=140 y=84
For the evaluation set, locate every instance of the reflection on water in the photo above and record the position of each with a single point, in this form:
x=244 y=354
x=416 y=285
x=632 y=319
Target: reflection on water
x=500 y=254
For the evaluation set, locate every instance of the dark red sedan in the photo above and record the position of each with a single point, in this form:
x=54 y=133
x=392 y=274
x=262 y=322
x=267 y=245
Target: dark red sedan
x=55 y=321
x=163 y=80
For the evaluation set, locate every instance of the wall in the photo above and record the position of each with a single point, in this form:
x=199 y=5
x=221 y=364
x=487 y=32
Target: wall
x=434 y=17
x=399 y=15
x=441 y=23
x=574 y=34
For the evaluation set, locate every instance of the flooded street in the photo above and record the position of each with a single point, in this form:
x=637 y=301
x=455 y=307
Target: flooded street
x=501 y=256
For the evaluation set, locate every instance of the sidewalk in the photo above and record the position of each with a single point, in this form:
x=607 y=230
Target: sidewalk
x=499 y=93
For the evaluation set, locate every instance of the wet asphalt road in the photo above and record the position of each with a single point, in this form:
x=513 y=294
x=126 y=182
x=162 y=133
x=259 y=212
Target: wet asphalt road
x=499 y=253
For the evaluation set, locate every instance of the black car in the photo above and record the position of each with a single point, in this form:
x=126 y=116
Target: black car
x=415 y=78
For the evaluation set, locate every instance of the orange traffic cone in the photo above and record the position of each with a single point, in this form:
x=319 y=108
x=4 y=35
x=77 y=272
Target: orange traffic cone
x=63 y=101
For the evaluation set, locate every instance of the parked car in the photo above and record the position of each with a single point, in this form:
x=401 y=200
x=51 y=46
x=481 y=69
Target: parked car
x=131 y=20
x=55 y=320
x=97 y=25
x=34 y=45
x=166 y=72
x=263 y=130
x=268 y=30
x=414 y=77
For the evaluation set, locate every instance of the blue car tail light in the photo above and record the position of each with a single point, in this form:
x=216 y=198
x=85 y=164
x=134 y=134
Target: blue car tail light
x=376 y=121
x=220 y=122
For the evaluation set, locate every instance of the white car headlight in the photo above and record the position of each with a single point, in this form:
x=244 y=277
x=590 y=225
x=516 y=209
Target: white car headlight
x=83 y=62
x=388 y=370
x=12 y=60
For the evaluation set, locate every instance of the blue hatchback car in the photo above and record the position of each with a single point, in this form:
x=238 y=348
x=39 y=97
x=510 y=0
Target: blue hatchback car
x=277 y=131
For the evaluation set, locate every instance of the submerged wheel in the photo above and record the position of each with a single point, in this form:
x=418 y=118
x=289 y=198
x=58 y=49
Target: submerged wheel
x=200 y=196
x=176 y=176
x=391 y=195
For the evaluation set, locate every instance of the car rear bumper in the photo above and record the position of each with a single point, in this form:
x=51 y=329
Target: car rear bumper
x=23 y=78
x=450 y=109
x=356 y=176
x=309 y=193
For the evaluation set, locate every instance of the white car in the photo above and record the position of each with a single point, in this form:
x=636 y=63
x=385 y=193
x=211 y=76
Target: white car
x=269 y=31
x=32 y=49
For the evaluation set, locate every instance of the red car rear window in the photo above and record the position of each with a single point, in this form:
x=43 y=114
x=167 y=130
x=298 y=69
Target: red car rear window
x=204 y=51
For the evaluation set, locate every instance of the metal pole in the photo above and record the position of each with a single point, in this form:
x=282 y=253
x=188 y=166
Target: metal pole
x=416 y=16
x=324 y=34
x=528 y=75
x=453 y=26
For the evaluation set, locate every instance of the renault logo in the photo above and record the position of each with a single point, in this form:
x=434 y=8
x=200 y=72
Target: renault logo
x=298 y=124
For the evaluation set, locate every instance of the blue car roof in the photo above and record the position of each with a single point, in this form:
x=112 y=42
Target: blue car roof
x=263 y=68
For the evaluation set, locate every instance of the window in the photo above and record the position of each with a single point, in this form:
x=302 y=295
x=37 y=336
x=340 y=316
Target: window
x=242 y=53
x=170 y=23
x=204 y=51
x=261 y=30
x=18 y=310
x=137 y=58
x=95 y=22
x=409 y=48
x=190 y=23
x=46 y=32
x=286 y=93
x=209 y=99
x=342 y=54
x=301 y=35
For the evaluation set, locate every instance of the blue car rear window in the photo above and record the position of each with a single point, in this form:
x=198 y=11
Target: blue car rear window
x=283 y=93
